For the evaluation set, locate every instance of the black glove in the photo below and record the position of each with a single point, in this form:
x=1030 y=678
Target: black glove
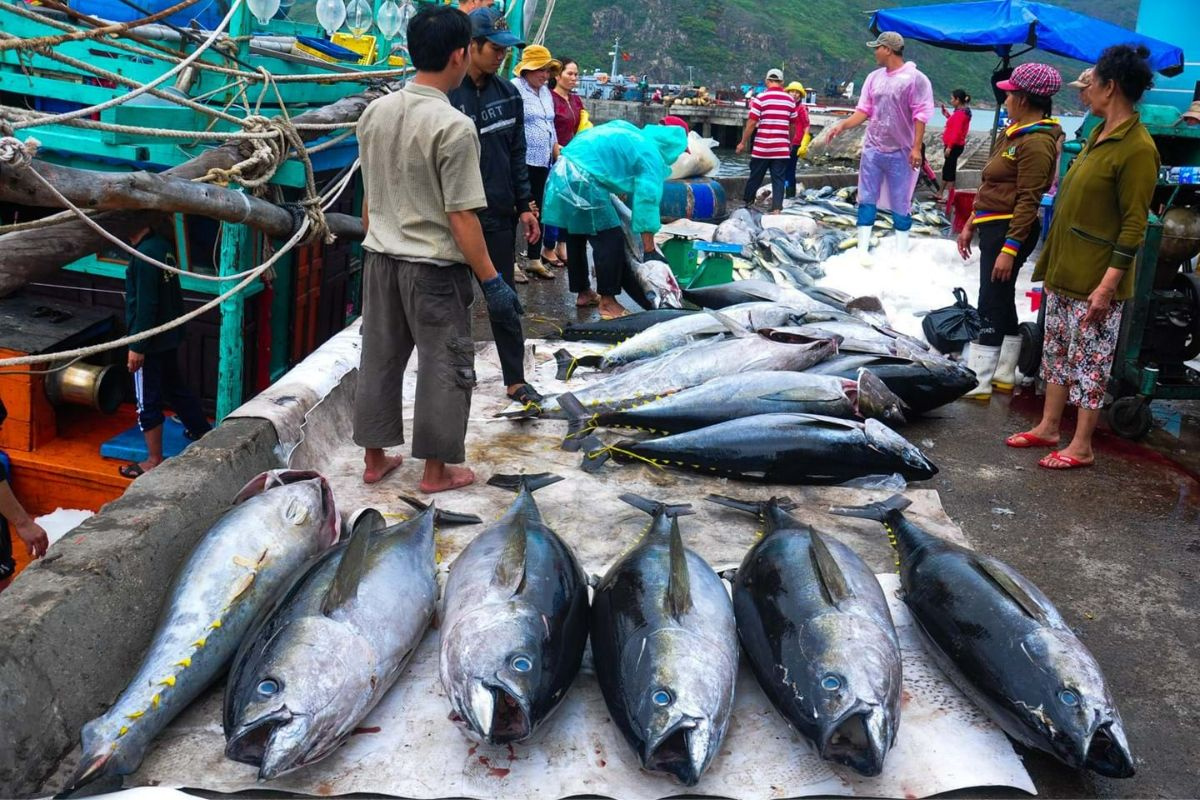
x=502 y=302
x=654 y=255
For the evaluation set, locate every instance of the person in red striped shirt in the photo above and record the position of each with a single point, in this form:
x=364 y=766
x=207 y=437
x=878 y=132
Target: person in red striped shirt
x=772 y=123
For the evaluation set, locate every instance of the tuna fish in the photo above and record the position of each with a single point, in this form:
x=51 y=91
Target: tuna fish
x=690 y=365
x=621 y=328
x=856 y=337
x=728 y=294
x=780 y=448
x=746 y=394
x=278 y=521
x=923 y=381
x=816 y=629
x=514 y=622
x=665 y=646
x=333 y=644
x=677 y=332
x=1006 y=646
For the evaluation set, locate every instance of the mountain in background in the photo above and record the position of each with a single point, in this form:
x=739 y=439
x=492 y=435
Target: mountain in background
x=732 y=42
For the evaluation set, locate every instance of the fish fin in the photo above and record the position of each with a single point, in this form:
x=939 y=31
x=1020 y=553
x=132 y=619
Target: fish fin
x=441 y=516
x=755 y=507
x=527 y=411
x=517 y=482
x=350 y=571
x=594 y=454
x=579 y=422
x=510 y=568
x=654 y=507
x=731 y=325
x=365 y=520
x=876 y=511
x=679 y=585
x=568 y=363
x=830 y=571
x=1017 y=587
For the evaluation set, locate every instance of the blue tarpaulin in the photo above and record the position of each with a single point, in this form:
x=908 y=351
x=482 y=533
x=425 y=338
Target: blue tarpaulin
x=1000 y=24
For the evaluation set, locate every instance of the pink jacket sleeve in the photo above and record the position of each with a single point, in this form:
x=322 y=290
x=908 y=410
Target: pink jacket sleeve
x=921 y=99
x=866 y=101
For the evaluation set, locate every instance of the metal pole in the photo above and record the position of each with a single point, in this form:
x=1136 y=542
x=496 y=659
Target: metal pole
x=616 y=53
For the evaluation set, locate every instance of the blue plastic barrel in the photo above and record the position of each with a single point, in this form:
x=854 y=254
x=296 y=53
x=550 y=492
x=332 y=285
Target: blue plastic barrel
x=701 y=199
x=207 y=13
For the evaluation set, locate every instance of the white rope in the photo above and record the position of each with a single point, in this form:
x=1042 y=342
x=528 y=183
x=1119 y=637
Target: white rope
x=540 y=36
x=116 y=101
x=84 y=352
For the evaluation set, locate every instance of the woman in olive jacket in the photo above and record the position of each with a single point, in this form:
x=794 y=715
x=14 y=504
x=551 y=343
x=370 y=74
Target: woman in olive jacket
x=1087 y=265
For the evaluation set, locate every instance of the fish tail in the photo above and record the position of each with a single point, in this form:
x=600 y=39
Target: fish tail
x=442 y=516
x=531 y=483
x=656 y=506
x=580 y=423
x=756 y=507
x=880 y=512
x=567 y=363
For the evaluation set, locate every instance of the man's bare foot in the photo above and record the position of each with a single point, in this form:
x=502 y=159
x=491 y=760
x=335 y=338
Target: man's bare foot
x=611 y=309
x=588 y=298
x=445 y=478
x=379 y=464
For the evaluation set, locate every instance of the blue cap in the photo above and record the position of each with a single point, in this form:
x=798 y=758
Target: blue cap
x=492 y=25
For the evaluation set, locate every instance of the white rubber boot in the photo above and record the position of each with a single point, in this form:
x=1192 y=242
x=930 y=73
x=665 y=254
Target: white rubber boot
x=982 y=360
x=864 y=244
x=901 y=242
x=1006 y=368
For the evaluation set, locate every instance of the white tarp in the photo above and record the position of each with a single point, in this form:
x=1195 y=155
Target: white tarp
x=408 y=748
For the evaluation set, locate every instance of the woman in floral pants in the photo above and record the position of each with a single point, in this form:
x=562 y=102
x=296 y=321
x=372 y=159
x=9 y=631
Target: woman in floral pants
x=1087 y=264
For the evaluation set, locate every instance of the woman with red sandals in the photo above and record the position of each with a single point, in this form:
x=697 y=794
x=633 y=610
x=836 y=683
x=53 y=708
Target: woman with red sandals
x=1087 y=264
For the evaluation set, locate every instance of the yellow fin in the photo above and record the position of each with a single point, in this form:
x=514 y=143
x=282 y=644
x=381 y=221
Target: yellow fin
x=154 y=701
x=167 y=681
x=124 y=730
x=135 y=715
x=185 y=663
x=216 y=624
x=199 y=642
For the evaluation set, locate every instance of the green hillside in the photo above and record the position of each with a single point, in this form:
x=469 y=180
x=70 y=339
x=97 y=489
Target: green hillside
x=730 y=42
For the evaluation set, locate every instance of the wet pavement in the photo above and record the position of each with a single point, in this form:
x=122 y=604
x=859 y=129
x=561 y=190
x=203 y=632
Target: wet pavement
x=1116 y=546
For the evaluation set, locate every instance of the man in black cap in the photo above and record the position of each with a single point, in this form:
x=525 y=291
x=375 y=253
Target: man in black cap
x=495 y=106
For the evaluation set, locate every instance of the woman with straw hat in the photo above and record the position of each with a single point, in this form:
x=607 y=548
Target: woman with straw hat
x=533 y=71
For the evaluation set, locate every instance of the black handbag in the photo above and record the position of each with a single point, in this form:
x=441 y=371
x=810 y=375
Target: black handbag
x=949 y=329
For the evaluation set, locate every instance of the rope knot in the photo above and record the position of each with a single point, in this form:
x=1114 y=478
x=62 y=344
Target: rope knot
x=17 y=153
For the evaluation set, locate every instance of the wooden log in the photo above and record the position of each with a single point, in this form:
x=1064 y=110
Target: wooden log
x=151 y=191
x=35 y=255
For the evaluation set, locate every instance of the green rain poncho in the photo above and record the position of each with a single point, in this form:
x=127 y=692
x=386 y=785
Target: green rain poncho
x=619 y=158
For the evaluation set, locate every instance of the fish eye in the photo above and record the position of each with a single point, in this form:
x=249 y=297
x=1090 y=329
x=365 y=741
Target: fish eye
x=831 y=683
x=521 y=664
x=268 y=687
x=1068 y=697
x=661 y=697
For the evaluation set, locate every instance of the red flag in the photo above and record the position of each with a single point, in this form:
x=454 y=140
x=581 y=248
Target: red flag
x=626 y=57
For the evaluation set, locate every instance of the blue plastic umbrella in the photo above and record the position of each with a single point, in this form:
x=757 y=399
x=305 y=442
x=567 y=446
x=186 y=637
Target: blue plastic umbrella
x=1000 y=25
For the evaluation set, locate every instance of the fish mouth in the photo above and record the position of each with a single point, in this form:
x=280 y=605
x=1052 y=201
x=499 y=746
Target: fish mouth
x=252 y=744
x=497 y=715
x=681 y=752
x=859 y=740
x=1108 y=754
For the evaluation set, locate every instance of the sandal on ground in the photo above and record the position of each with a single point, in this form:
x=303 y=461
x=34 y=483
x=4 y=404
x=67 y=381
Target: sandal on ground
x=526 y=395
x=1027 y=439
x=553 y=261
x=519 y=275
x=606 y=316
x=539 y=269
x=131 y=471
x=590 y=299
x=1063 y=460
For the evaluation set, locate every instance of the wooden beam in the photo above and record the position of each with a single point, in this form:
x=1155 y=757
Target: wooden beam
x=35 y=255
x=151 y=191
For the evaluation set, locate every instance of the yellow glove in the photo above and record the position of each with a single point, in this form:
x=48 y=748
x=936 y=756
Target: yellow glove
x=584 y=121
x=804 y=143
